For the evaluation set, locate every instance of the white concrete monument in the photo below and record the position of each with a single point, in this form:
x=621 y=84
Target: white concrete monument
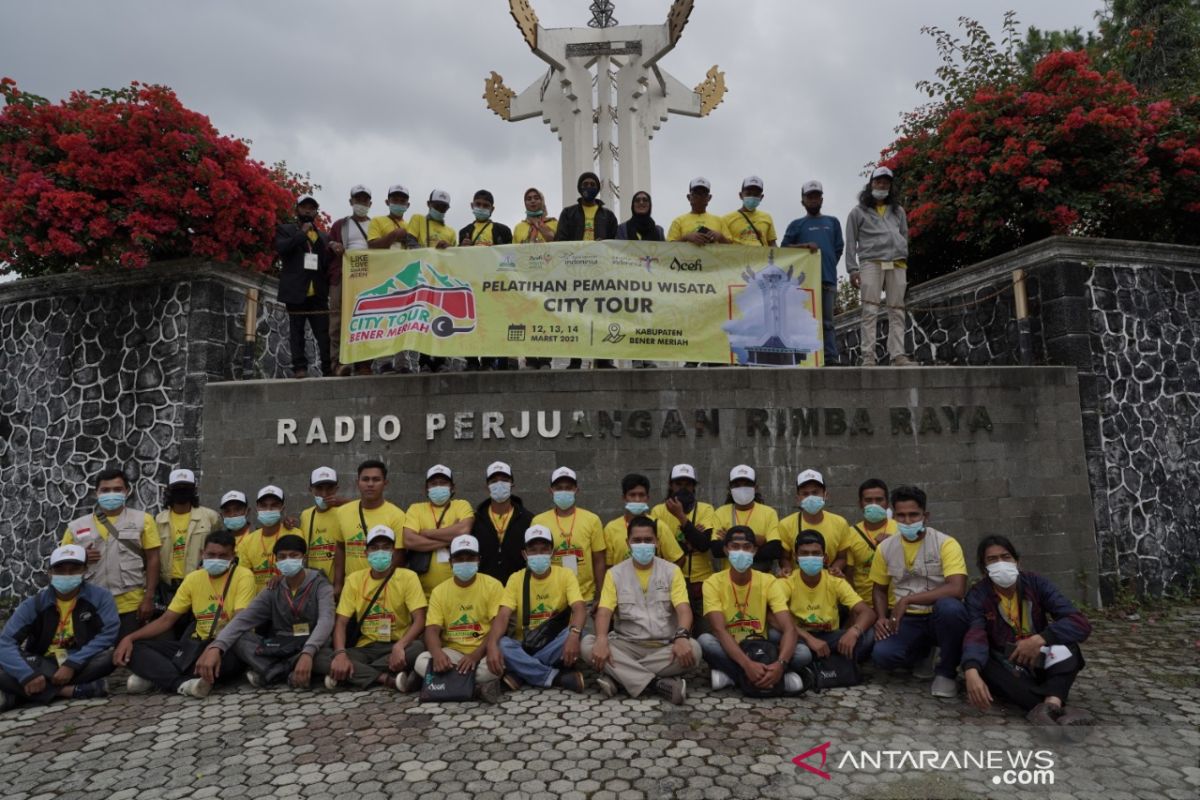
x=604 y=83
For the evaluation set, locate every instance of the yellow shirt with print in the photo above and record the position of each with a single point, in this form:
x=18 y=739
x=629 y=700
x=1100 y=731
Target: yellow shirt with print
x=64 y=633
x=390 y=616
x=608 y=594
x=200 y=593
x=179 y=540
x=322 y=533
x=465 y=614
x=523 y=232
x=129 y=601
x=481 y=233
x=696 y=566
x=547 y=596
x=429 y=232
x=589 y=222
x=815 y=608
x=952 y=564
x=832 y=527
x=742 y=225
x=426 y=516
x=747 y=609
x=860 y=555
x=256 y=552
x=761 y=518
x=578 y=535
x=616 y=542
x=380 y=227
x=354 y=536
x=688 y=223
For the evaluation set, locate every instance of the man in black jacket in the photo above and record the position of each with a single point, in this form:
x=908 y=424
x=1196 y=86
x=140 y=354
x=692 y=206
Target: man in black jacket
x=587 y=221
x=500 y=525
x=304 y=283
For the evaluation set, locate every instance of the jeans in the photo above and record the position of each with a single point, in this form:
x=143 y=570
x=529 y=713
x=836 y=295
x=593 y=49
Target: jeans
x=828 y=299
x=98 y=666
x=311 y=312
x=801 y=656
x=538 y=669
x=918 y=633
x=862 y=648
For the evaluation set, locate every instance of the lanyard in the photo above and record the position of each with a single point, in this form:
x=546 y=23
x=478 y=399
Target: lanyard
x=297 y=607
x=384 y=582
x=487 y=225
x=442 y=516
x=1016 y=625
x=220 y=600
x=63 y=621
x=566 y=535
x=743 y=606
x=749 y=516
x=501 y=523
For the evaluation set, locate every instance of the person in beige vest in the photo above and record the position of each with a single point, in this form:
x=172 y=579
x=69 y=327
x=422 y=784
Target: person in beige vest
x=645 y=603
x=182 y=526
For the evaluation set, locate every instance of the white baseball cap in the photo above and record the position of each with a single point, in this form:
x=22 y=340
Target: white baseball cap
x=742 y=471
x=683 y=471
x=439 y=469
x=306 y=198
x=270 y=491
x=439 y=196
x=700 y=182
x=323 y=475
x=498 y=468
x=812 y=186
x=72 y=552
x=233 y=496
x=181 y=476
x=464 y=544
x=381 y=530
x=398 y=188
x=752 y=181
x=358 y=188
x=563 y=472
x=538 y=532
x=882 y=172
x=810 y=476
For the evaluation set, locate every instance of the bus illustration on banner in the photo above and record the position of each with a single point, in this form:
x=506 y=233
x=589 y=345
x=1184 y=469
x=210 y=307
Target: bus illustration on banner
x=417 y=299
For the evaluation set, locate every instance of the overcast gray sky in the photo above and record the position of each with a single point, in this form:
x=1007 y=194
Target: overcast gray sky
x=379 y=92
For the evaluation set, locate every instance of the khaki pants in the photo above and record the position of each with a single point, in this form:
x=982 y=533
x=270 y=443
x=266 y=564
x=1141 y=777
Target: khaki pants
x=893 y=282
x=636 y=664
x=482 y=673
x=335 y=322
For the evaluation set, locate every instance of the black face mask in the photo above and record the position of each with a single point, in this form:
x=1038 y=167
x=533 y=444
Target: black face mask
x=180 y=494
x=589 y=193
x=304 y=216
x=686 y=499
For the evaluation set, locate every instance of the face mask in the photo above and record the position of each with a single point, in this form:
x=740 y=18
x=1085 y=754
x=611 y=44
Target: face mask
x=216 y=566
x=500 y=491
x=812 y=504
x=380 y=560
x=359 y=210
x=911 y=532
x=290 y=566
x=643 y=552
x=398 y=209
x=637 y=509
x=880 y=194
x=436 y=216
x=306 y=217
x=438 y=495
x=539 y=564
x=1003 y=573
x=874 y=513
x=180 y=495
x=811 y=565
x=110 y=501
x=65 y=584
x=686 y=499
x=751 y=203
x=481 y=214
x=234 y=524
x=740 y=559
x=465 y=570
x=564 y=499
x=320 y=502
x=589 y=193
x=269 y=518
x=743 y=495
x=539 y=213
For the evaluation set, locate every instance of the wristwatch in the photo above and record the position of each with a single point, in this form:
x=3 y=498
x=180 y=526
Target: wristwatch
x=681 y=633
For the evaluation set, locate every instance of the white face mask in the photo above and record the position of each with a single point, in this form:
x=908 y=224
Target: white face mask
x=1003 y=573
x=880 y=194
x=743 y=495
x=360 y=210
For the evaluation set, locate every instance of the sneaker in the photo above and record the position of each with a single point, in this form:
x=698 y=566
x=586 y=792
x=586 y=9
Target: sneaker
x=792 y=683
x=330 y=683
x=255 y=680
x=512 y=682
x=136 y=684
x=571 y=681
x=923 y=669
x=196 y=687
x=91 y=689
x=903 y=361
x=673 y=689
x=720 y=680
x=1044 y=714
x=944 y=687
x=401 y=681
x=489 y=692
x=607 y=686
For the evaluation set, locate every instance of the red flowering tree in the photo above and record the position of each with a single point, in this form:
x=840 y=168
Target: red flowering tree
x=122 y=178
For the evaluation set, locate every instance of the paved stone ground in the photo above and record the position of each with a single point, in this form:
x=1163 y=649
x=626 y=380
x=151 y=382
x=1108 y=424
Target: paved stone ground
x=1142 y=681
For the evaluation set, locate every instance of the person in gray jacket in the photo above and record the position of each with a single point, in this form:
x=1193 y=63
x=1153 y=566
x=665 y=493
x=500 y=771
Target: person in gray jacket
x=877 y=260
x=299 y=610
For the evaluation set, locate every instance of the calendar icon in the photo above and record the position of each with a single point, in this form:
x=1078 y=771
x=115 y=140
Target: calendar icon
x=516 y=333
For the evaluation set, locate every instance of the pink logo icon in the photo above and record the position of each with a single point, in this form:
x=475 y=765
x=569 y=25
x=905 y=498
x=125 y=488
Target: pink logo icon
x=800 y=760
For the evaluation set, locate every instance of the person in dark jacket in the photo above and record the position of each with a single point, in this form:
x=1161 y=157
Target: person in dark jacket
x=587 y=221
x=500 y=525
x=483 y=231
x=59 y=642
x=641 y=226
x=304 y=283
x=1023 y=641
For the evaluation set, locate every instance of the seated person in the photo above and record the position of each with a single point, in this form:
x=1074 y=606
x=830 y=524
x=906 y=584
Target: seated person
x=298 y=612
x=538 y=593
x=1011 y=635
x=814 y=595
x=739 y=603
x=213 y=594
x=58 y=643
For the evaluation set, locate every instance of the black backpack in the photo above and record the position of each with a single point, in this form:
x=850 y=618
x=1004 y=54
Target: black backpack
x=763 y=651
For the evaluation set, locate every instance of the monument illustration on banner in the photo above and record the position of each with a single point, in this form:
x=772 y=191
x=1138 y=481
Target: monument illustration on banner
x=774 y=329
x=602 y=79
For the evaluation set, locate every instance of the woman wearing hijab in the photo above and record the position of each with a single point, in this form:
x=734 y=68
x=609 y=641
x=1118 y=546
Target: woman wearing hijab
x=640 y=226
x=536 y=228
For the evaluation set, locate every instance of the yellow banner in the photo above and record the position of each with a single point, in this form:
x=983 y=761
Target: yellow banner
x=725 y=304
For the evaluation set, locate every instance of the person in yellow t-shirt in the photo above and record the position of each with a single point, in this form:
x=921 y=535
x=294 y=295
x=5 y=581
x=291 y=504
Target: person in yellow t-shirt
x=691 y=523
x=431 y=230
x=432 y=524
x=213 y=594
x=742 y=603
x=322 y=531
x=183 y=524
x=579 y=543
x=745 y=507
x=814 y=596
x=387 y=607
x=698 y=226
x=552 y=595
x=462 y=612
x=866 y=535
x=390 y=232
x=357 y=517
x=920 y=578
x=748 y=225
x=256 y=551
x=635 y=490
x=536 y=228
x=812 y=516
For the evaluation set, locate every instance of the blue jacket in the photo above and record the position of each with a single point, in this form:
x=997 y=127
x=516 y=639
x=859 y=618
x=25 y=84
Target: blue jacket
x=826 y=233
x=1040 y=599
x=31 y=630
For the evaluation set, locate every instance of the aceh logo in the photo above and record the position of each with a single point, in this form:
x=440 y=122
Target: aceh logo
x=416 y=299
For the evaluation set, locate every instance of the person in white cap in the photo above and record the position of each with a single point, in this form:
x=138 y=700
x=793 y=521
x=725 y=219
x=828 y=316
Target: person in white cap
x=430 y=525
x=744 y=506
x=390 y=232
x=579 y=543
x=357 y=517
x=256 y=550
x=691 y=522
x=812 y=496
x=698 y=226
x=750 y=225
x=431 y=229
x=380 y=621
x=58 y=643
x=820 y=233
x=123 y=549
x=321 y=529
x=877 y=260
x=233 y=514
x=462 y=611
x=500 y=554
x=539 y=595
x=303 y=252
x=348 y=233
x=635 y=492
x=183 y=524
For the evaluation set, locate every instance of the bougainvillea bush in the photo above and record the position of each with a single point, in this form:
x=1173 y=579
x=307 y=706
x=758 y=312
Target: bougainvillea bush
x=122 y=178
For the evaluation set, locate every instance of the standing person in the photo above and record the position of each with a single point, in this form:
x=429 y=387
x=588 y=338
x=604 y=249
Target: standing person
x=256 y=550
x=390 y=232
x=500 y=554
x=641 y=227
x=431 y=229
x=348 y=233
x=866 y=535
x=536 y=228
x=820 y=232
x=183 y=524
x=321 y=529
x=483 y=231
x=813 y=516
x=304 y=283
x=745 y=506
x=748 y=225
x=233 y=514
x=431 y=525
x=579 y=543
x=587 y=221
x=698 y=226
x=357 y=517
x=692 y=523
x=877 y=260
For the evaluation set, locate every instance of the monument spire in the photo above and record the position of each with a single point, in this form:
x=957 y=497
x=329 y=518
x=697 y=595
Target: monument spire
x=602 y=14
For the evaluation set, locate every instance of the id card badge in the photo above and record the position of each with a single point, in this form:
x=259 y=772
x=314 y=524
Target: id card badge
x=887 y=265
x=383 y=629
x=443 y=556
x=300 y=629
x=130 y=535
x=60 y=656
x=571 y=562
x=310 y=262
x=1056 y=654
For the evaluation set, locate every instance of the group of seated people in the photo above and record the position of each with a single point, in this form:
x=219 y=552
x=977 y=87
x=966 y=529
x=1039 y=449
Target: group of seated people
x=447 y=597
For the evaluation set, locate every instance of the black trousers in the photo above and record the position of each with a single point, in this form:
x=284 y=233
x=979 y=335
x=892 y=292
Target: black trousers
x=97 y=667
x=310 y=312
x=154 y=660
x=1026 y=689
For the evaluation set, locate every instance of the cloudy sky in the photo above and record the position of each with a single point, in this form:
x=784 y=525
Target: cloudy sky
x=381 y=92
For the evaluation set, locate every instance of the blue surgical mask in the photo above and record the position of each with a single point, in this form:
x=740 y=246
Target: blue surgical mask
x=538 y=564
x=812 y=504
x=235 y=524
x=500 y=491
x=438 y=495
x=290 y=566
x=398 y=209
x=564 y=499
x=811 y=565
x=910 y=531
x=111 y=501
x=874 y=513
x=320 y=502
x=637 y=509
x=380 y=560
x=216 y=566
x=740 y=560
x=481 y=214
x=65 y=584
x=642 y=552
x=436 y=216
x=465 y=570
x=269 y=518
x=751 y=203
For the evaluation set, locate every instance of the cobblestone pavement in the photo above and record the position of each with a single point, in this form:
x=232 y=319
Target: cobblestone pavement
x=1142 y=681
